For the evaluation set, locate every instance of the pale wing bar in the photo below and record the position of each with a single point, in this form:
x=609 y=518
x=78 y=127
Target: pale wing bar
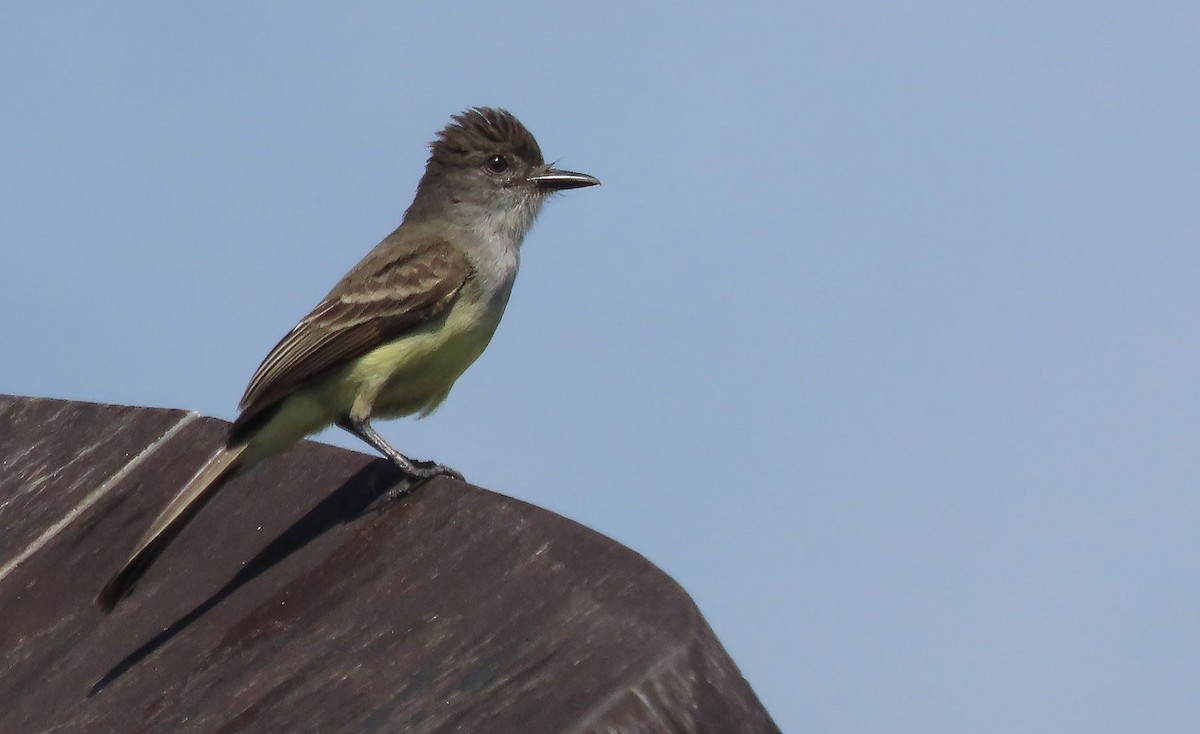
x=375 y=303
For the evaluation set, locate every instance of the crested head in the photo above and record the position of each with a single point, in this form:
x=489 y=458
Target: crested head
x=484 y=131
x=486 y=174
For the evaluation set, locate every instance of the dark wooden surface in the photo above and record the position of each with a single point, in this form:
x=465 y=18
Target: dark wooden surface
x=300 y=600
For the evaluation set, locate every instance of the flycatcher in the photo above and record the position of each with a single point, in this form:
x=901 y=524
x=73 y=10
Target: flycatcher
x=395 y=333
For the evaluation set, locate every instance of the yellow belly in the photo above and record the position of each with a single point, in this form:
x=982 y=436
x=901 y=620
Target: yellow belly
x=412 y=374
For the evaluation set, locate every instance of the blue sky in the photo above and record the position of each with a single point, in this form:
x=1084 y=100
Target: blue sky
x=880 y=336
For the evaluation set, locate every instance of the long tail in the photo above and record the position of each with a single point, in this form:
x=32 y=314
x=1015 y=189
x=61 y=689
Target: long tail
x=222 y=467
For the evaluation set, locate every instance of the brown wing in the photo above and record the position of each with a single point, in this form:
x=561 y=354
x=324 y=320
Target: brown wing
x=385 y=295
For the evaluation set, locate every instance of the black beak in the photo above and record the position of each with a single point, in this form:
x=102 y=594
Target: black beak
x=554 y=179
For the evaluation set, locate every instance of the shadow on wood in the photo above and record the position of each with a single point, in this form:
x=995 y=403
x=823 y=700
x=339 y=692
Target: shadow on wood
x=300 y=600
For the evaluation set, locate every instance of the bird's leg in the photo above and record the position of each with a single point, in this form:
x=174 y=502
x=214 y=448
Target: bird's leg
x=416 y=469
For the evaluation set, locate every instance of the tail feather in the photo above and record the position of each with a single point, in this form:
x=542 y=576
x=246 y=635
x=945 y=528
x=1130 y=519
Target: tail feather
x=222 y=467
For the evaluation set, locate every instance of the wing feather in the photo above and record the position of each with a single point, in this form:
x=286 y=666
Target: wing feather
x=383 y=297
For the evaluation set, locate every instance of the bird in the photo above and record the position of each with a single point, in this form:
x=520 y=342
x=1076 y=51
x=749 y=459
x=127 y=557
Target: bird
x=395 y=333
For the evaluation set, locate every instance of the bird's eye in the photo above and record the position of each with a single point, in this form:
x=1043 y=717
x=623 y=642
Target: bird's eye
x=497 y=164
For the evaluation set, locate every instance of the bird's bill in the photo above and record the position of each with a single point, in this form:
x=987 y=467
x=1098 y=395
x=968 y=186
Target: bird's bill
x=555 y=179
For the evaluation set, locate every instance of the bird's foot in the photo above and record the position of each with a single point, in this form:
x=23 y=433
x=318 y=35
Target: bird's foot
x=418 y=469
